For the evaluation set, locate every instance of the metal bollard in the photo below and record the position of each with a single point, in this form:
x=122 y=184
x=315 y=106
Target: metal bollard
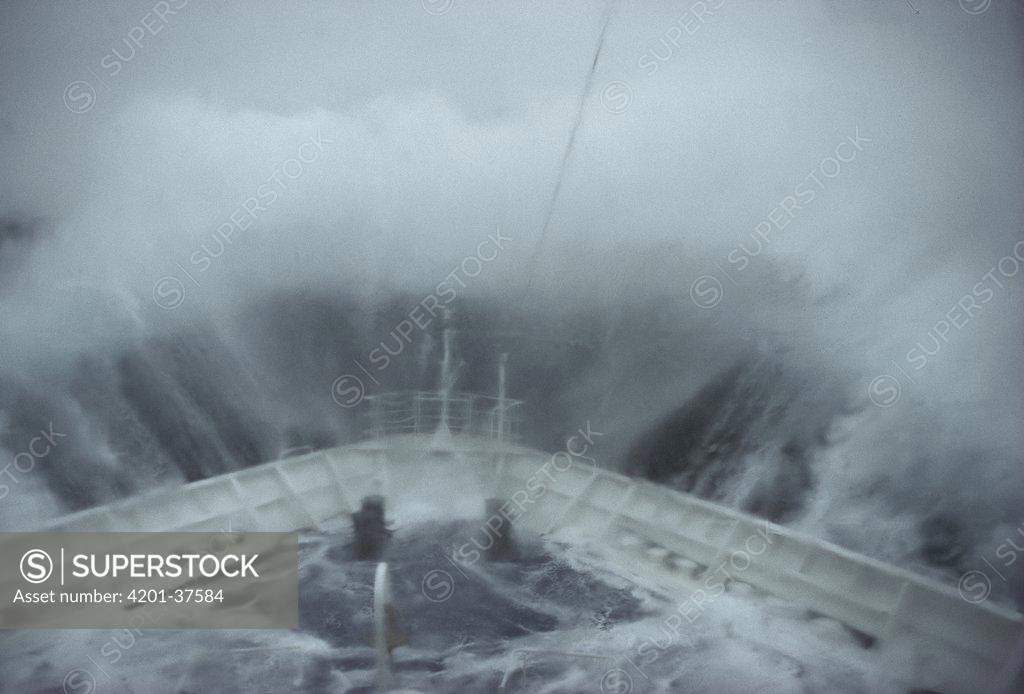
x=371 y=533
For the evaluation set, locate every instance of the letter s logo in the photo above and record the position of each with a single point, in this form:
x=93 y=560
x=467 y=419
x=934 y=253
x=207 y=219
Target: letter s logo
x=36 y=566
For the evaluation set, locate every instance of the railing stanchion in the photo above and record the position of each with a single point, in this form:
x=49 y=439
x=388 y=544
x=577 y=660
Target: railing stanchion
x=454 y=413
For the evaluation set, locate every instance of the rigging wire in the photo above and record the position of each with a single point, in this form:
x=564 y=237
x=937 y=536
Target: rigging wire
x=538 y=247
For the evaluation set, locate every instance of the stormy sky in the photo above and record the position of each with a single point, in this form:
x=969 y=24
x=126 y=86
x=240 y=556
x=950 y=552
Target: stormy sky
x=865 y=157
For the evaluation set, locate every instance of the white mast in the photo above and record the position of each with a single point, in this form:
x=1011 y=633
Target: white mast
x=502 y=361
x=443 y=435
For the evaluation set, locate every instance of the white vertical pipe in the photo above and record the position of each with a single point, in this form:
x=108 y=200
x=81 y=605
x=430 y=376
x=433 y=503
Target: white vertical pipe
x=381 y=603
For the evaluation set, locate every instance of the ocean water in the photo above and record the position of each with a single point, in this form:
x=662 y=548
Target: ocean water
x=558 y=618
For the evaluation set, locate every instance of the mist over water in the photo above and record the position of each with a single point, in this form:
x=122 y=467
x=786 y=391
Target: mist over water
x=166 y=347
